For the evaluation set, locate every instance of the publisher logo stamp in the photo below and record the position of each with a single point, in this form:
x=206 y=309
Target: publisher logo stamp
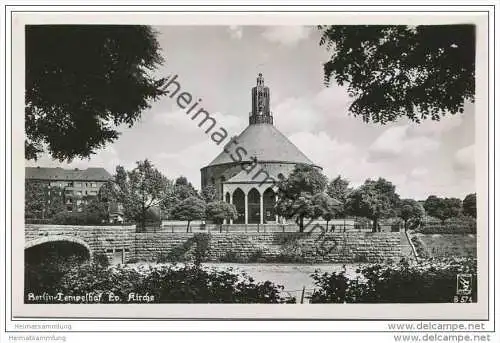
x=464 y=284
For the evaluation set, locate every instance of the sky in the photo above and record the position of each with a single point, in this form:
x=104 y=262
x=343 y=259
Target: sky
x=219 y=65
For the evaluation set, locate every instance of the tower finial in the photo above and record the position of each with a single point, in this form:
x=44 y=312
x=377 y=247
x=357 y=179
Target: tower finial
x=260 y=80
x=261 y=113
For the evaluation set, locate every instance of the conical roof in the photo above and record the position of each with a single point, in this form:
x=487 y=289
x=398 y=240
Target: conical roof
x=264 y=142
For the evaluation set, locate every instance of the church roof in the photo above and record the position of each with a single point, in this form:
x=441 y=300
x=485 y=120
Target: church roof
x=257 y=174
x=264 y=142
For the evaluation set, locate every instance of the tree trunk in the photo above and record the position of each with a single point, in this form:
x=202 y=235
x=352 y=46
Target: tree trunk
x=301 y=224
x=327 y=225
x=406 y=225
x=187 y=229
x=375 y=225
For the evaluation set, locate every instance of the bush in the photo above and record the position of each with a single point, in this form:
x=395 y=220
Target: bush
x=434 y=281
x=167 y=284
x=191 y=284
x=419 y=247
x=448 y=228
x=97 y=279
x=456 y=225
x=77 y=218
x=231 y=257
x=182 y=252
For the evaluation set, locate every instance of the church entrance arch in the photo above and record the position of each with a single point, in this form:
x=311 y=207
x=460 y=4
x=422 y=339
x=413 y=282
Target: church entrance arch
x=269 y=206
x=239 y=203
x=253 y=206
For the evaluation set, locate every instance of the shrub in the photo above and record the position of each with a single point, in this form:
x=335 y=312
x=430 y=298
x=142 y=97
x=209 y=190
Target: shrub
x=94 y=278
x=181 y=253
x=192 y=284
x=77 y=218
x=457 y=225
x=419 y=247
x=433 y=281
x=231 y=257
x=256 y=256
x=167 y=284
x=101 y=260
x=45 y=275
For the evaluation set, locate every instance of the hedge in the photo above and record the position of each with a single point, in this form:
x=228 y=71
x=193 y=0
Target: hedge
x=433 y=281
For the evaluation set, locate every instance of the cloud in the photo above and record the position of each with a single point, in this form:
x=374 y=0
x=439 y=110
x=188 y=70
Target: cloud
x=331 y=154
x=334 y=101
x=188 y=161
x=395 y=142
x=178 y=120
x=419 y=173
x=464 y=160
x=436 y=128
x=296 y=114
x=236 y=32
x=286 y=35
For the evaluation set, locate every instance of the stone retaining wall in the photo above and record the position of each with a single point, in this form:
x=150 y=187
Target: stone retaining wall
x=230 y=247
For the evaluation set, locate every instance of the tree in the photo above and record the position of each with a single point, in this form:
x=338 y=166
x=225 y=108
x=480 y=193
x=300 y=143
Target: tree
x=189 y=209
x=469 y=205
x=295 y=194
x=41 y=200
x=396 y=71
x=82 y=82
x=184 y=189
x=218 y=211
x=374 y=200
x=209 y=193
x=442 y=208
x=325 y=207
x=339 y=189
x=141 y=190
x=96 y=212
x=410 y=211
x=181 y=190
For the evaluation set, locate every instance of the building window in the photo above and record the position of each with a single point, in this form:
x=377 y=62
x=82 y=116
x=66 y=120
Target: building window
x=69 y=208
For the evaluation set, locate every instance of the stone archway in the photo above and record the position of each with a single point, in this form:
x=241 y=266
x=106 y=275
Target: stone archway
x=48 y=259
x=58 y=238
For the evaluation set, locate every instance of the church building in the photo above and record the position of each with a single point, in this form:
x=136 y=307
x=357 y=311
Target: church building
x=245 y=172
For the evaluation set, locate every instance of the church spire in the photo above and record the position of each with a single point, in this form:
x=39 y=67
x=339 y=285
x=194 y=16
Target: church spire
x=261 y=113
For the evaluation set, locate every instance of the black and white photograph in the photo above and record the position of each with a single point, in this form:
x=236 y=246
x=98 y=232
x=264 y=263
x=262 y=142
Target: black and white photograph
x=298 y=165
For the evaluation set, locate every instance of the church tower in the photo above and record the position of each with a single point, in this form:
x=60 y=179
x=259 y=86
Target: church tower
x=261 y=112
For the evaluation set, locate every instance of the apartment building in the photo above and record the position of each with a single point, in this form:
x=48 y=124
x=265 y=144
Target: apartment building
x=78 y=184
